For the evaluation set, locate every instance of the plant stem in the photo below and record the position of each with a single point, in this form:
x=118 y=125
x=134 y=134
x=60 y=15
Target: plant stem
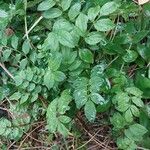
x=5 y=69
x=36 y=22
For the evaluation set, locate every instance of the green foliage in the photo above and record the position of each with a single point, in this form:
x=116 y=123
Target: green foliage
x=87 y=91
x=58 y=57
x=104 y=25
x=56 y=110
x=128 y=104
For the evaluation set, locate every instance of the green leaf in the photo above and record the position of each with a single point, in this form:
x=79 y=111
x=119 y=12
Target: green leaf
x=64 y=119
x=34 y=97
x=126 y=144
x=144 y=52
x=46 y=4
x=130 y=56
x=18 y=80
x=128 y=116
x=86 y=55
x=31 y=87
x=5 y=126
x=137 y=101
x=121 y=97
x=108 y=8
x=51 y=42
x=55 y=113
x=122 y=106
x=74 y=11
x=23 y=63
x=62 y=129
x=64 y=101
x=104 y=25
x=6 y=54
x=146 y=8
x=97 y=80
x=3 y=14
x=135 y=132
x=65 y=38
x=135 y=110
x=15 y=96
x=51 y=116
x=98 y=70
x=24 y=98
x=49 y=79
x=81 y=22
x=95 y=83
x=93 y=38
x=104 y=107
x=97 y=98
x=134 y=91
x=29 y=74
x=1 y=94
x=25 y=84
x=75 y=65
x=52 y=13
x=93 y=12
x=62 y=24
x=14 y=42
x=59 y=76
x=90 y=111
x=68 y=56
x=65 y=4
x=26 y=46
x=139 y=36
x=144 y=119
x=80 y=83
x=80 y=97
x=33 y=56
x=118 y=121
x=143 y=84
x=76 y=33
x=55 y=61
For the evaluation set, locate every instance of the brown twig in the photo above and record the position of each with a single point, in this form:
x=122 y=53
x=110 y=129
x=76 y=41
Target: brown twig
x=42 y=142
x=11 y=145
x=37 y=147
x=89 y=140
x=99 y=143
x=19 y=148
x=131 y=71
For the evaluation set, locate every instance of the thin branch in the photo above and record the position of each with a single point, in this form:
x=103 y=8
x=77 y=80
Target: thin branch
x=42 y=142
x=112 y=61
x=148 y=65
x=5 y=69
x=89 y=140
x=101 y=144
x=9 y=113
x=25 y=20
x=142 y=148
x=19 y=148
x=9 y=147
x=32 y=27
x=37 y=147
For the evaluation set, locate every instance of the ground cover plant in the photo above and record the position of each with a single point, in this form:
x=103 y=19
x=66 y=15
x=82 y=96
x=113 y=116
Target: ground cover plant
x=68 y=65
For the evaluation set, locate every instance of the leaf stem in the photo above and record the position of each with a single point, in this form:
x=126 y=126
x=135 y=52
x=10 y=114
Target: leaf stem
x=32 y=27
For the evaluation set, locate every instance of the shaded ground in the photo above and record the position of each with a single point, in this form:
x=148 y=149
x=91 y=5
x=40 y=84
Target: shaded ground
x=95 y=136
